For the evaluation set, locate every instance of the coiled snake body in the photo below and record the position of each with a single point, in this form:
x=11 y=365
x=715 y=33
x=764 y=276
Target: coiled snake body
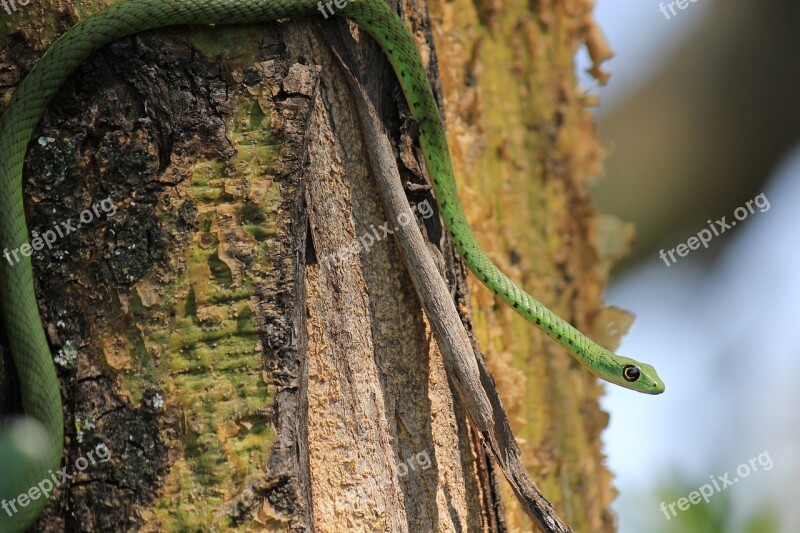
x=26 y=337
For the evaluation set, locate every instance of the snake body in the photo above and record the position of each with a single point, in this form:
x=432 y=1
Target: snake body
x=26 y=337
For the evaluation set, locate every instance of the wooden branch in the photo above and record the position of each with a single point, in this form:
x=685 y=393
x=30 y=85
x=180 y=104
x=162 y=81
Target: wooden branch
x=431 y=288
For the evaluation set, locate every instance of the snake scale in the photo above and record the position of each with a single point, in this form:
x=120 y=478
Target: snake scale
x=21 y=468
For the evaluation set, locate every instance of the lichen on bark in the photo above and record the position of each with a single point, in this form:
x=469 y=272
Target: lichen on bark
x=178 y=303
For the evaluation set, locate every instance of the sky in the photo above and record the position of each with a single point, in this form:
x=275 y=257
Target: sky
x=725 y=341
x=722 y=332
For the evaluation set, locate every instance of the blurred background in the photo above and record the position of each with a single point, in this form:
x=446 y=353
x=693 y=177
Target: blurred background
x=702 y=115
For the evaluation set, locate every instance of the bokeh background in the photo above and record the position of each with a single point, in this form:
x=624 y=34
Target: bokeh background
x=702 y=114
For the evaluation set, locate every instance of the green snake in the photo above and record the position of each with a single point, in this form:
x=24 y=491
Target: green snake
x=26 y=337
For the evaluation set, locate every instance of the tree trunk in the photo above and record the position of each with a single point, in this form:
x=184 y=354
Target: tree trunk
x=241 y=334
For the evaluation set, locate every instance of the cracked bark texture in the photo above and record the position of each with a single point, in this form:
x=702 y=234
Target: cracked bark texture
x=247 y=361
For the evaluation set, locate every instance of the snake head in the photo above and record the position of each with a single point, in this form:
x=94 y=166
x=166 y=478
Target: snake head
x=632 y=374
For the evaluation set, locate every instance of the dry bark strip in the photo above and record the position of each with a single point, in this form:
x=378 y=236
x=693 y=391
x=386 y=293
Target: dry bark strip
x=431 y=288
x=450 y=333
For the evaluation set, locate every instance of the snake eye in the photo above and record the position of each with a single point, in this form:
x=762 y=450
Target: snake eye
x=631 y=373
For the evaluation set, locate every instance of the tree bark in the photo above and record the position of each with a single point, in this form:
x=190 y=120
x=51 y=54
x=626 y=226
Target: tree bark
x=248 y=359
